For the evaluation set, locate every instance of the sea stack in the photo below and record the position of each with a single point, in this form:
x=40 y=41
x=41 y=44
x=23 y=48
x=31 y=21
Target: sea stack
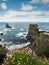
x=7 y=25
x=33 y=32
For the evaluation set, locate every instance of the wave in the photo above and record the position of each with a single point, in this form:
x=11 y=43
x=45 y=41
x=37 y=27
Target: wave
x=21 y=34
x=1 y=32
x=21 y=29
x=43 y=30
x=13 y=47
x=7 y=29
x=1 y=43
x=13 y=27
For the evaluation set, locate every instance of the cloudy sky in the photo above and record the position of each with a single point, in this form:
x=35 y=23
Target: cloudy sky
x=24 y=10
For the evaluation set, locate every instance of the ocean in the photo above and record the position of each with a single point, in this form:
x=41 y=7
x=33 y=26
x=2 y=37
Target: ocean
x=15 y=36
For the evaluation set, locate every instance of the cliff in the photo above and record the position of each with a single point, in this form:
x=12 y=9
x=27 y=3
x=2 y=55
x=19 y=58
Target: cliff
x=33 y=32
x=39 y=41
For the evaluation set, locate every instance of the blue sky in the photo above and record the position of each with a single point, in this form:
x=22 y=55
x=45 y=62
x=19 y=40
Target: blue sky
x=24 y=10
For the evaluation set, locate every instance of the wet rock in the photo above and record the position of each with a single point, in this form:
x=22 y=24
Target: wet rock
x=1 y=33
x=0 y=39
x=7 y=25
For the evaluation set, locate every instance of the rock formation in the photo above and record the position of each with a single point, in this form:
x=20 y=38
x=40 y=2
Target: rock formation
x=1 y=33
x=0 y=39
x=33 y=32
x=39 y=41
x=7 y=25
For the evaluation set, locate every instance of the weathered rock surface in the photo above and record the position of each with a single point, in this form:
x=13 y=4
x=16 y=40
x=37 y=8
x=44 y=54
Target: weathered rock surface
x=39 y=41
x=33 y=32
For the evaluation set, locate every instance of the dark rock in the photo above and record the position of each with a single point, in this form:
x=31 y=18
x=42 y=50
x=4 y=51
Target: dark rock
x=0 y=39
x=0 y=45
x=7 y=25
x=3 y=52
x=1 y=33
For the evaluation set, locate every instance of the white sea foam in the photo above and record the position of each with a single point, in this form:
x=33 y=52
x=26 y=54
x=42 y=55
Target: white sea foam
x=7 y=29
x=12 y=47
x=2 y=39
x=13 y=27
x=21 y=29
x=1 y=43
x=0 y=31
x=42 y=30
x=4 y=33
x=19 y=34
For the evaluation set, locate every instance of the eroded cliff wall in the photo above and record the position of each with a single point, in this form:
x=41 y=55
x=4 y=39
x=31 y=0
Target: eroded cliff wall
x=39 y=41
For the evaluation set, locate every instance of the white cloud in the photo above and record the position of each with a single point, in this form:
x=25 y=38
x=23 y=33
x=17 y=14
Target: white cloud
x=13 y=15
x=45 y=1
x=40 y=1
x=35 y=1
x=3 y=6
x=26 y=7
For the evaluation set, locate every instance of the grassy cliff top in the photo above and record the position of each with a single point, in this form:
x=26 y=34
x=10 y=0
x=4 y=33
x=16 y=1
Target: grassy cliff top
x=23 y=58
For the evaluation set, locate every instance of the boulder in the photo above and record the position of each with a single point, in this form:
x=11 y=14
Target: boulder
x=0 y=39
x=1 y=33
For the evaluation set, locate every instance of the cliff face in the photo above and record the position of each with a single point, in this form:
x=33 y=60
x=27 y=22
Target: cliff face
x=33 y=29
x=39 y=41
x=33 y=32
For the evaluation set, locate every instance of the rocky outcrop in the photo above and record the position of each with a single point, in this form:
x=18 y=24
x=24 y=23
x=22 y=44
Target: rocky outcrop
x=33 y=29
x=7 y=25
x=0 y=40
x=33 y=32
x=39 y=41
x=1 y=33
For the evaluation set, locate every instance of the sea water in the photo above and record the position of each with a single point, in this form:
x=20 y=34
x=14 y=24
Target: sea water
x=16 y=35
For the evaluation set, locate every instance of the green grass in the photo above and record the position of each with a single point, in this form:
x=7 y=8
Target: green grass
x=23 y=58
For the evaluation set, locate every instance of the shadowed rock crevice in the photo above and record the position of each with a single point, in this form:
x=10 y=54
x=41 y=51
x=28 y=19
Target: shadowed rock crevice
x=3 y=52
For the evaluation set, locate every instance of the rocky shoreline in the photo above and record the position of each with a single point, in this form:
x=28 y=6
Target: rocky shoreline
x=39 y=44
